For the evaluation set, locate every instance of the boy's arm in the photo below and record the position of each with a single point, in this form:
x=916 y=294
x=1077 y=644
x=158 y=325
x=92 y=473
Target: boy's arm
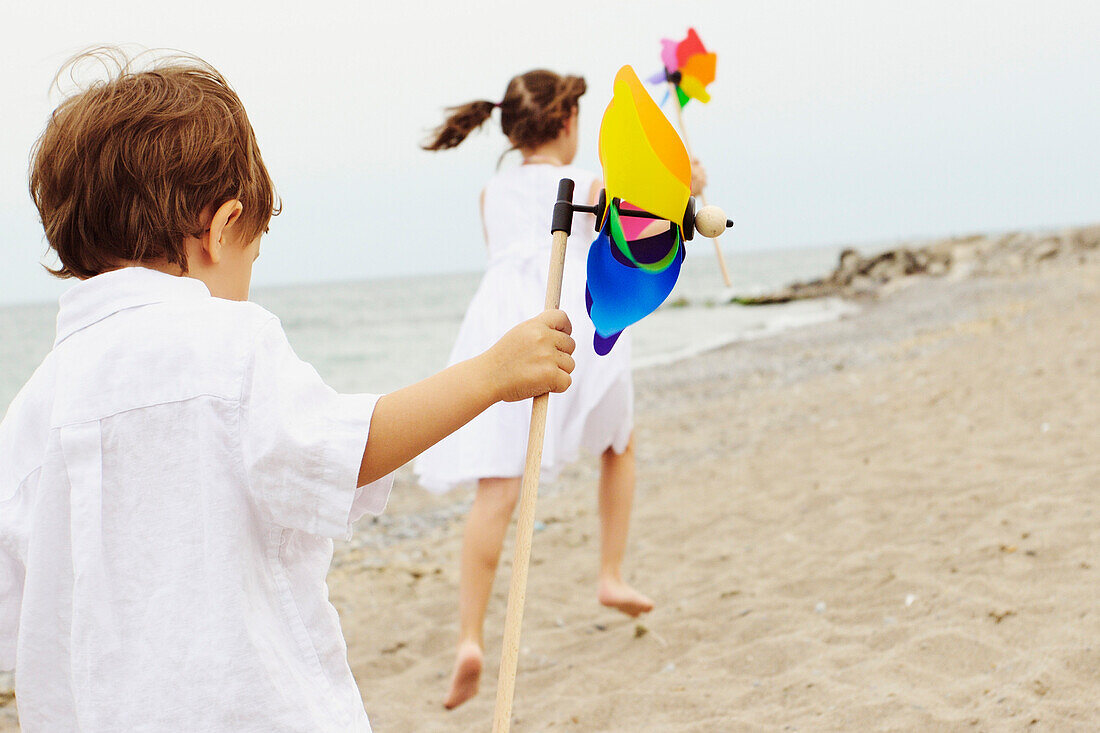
x=531 y=359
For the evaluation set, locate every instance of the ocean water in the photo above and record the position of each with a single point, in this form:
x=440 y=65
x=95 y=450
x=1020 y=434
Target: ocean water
x=378 y=335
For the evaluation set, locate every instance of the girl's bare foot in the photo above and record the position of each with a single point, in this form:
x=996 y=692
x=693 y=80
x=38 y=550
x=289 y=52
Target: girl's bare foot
x=616 y=594
x=466 y=676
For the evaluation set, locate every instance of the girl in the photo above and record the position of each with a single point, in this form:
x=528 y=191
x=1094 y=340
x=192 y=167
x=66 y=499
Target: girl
x=539 y=117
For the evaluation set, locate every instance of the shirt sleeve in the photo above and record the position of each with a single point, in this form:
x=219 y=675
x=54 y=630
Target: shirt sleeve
x=303 y=443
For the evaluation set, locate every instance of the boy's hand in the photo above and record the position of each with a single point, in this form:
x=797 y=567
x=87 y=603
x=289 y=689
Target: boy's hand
x=533 y=358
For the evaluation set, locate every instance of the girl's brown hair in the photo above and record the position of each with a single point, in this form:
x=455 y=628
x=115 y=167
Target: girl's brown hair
x=127 y=165
x=535 y=107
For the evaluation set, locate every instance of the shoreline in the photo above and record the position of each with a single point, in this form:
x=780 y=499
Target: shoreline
x=825 y=310
x=897 y=308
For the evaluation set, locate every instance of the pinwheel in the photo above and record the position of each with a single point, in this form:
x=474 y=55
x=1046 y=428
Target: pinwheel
x=631 y=270
x=689 y=69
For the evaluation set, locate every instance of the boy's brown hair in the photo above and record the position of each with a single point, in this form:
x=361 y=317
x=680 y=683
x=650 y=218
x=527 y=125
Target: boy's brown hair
x=127 y=165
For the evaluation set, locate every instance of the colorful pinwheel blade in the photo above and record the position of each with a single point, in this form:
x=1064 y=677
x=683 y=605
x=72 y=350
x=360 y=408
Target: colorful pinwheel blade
x=644 y=161
x=668 y=54
x=653 y=253
x=620 y=294
x=701 y=67
x=692 y=89
x=695 y=64
x=688 y=47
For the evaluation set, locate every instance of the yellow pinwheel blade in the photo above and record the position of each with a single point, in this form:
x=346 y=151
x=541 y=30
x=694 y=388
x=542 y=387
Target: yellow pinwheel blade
x=644 y=161
x=694 y=89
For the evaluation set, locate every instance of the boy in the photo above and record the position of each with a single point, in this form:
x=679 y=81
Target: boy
x=172 y=473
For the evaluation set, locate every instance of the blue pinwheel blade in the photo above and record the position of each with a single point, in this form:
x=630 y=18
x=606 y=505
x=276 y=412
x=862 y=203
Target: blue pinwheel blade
x=620 y=294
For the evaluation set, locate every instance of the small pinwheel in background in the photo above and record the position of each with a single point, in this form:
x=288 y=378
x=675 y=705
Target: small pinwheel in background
x=689 y=68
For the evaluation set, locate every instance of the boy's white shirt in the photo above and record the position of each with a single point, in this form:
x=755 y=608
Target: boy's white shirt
x=169 y=481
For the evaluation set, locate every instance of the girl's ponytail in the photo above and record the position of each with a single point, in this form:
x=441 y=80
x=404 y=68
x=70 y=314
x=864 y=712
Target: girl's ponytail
x=534 y=110
x=461 y=121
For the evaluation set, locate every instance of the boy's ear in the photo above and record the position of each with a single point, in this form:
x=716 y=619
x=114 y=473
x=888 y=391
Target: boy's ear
x=221 y=225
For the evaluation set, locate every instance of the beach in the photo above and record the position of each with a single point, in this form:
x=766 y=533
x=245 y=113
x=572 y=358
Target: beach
x=886 y=522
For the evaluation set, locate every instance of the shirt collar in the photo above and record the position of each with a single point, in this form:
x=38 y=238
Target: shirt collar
x=92 y=300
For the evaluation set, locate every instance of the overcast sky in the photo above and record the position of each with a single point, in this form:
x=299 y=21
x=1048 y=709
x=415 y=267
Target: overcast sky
x=831 y=122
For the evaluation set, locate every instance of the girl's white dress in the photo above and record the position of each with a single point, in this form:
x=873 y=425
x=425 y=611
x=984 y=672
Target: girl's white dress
x=597 y=411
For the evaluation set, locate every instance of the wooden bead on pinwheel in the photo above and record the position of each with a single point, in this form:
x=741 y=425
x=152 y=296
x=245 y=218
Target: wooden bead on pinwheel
x=711 y=221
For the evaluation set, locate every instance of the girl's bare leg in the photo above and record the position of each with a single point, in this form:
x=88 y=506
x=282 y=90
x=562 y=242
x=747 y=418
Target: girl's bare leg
x=482 y=540
x=616 y=500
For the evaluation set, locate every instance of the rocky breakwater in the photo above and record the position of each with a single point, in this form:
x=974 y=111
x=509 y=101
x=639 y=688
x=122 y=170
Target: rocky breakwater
x=875 y=275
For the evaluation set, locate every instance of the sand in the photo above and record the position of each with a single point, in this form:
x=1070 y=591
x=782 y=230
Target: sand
x=890 y=522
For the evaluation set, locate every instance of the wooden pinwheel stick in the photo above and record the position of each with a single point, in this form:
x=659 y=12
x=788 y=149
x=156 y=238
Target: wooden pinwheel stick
x=509 y=655
x=672 y=83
